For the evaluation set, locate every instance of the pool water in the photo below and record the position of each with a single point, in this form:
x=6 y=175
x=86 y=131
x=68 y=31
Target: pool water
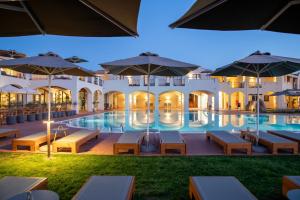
x=193 y=121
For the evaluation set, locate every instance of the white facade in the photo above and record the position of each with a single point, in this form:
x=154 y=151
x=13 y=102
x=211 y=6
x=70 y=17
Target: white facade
x=197 y=90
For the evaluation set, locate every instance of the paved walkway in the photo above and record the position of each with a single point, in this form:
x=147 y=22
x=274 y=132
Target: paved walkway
x=196 y=143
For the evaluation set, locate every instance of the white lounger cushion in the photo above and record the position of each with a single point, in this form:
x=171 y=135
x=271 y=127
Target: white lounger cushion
x=105 y=188
x=221 y=187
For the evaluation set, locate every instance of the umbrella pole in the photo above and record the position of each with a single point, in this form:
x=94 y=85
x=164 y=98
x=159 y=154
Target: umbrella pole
x=49 y=116
x=257 y=107
x=148 y=108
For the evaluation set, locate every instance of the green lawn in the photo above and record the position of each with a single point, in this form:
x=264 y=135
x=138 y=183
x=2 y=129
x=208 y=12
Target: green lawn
x=157 y=177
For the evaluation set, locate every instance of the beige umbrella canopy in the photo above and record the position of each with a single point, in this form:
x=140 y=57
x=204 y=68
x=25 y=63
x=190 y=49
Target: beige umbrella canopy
x=94 y=18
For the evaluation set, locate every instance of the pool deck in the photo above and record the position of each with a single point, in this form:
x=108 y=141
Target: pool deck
x=196 y=143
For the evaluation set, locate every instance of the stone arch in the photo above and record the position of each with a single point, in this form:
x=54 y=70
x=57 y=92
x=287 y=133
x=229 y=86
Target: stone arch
x=114 y=100
x=85 y=99
x=171 y=100
x=138 y=100
x=201 y=100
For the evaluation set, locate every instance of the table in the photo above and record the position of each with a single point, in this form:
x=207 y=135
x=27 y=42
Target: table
x=293 y=194
x=36 y=195
x=59 y=129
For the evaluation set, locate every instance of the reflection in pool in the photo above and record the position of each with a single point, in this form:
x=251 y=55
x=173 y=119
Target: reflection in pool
x=194 y=121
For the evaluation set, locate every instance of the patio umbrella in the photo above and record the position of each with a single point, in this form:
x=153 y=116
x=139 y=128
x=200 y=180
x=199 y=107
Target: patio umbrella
x=92 y=18
x=271 y=15
x=75 y=59
x=288 y=92
x=148 y=64
x=47 y=64
x=12 y=54
x=11 y=89
x=260 y=65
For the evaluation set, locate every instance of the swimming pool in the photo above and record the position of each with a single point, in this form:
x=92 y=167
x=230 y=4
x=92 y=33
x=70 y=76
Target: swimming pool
x=193 y=121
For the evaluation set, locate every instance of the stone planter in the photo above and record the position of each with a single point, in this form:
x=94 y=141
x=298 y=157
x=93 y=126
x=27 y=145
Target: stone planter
x=10 y=120
x=44 y=116
x=38 y=116
x=20 y=118
x=31 y=117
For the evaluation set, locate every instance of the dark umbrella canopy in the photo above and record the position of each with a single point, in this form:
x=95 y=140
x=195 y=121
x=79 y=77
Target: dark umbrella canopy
x=264 y=64
x=288 y=92
x=69 y=17
x=46 y=64
x=12 y=54
x=272 y=15
x=149 y=63
x=75 y=59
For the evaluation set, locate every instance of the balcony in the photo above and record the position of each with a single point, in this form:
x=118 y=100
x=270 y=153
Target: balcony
x=237 y=84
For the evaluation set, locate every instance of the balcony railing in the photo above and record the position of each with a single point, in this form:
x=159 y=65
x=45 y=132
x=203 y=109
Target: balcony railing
x=134 y=82
x=179 y=82
x=253 y=85
x=163 y=82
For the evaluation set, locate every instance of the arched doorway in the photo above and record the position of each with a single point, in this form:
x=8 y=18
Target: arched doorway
x=138 y=100
x=199 y=100
x=84 y=99
x=114 y=100
x=171 y=100
x=237 y=101
x=223 y=101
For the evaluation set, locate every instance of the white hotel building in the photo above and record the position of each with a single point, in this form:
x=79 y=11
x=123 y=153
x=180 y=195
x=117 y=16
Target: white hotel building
x=197 y=90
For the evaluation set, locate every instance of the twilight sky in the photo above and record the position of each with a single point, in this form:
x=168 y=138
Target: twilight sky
x=209 y=49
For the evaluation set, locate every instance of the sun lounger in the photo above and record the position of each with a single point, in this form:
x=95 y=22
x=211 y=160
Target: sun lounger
x=6 y=132
x=13 y=185
x=273 y=143
x=229 y=141
x=217 y=188
x=75 y=140
x=129 y=141
x=290 y=183
x=32 y=141
x=287 y=134
x=171 y=140
x=107 y=188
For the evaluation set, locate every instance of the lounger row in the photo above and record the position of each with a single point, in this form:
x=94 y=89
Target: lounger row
x=169 y=140
x=71 y=142
x=273 y=140
x=122 y=187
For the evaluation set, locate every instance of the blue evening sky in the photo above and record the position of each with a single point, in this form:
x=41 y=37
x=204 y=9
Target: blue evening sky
x=209 y=49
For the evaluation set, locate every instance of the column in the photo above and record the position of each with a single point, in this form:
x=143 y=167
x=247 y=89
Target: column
x=75 y=102
x=126 y=101
x=101 y=102
x=89 y=101
x=281 y=104
x=186 y=102
x=217 y=99
x=230 y=107
x=209 y=102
